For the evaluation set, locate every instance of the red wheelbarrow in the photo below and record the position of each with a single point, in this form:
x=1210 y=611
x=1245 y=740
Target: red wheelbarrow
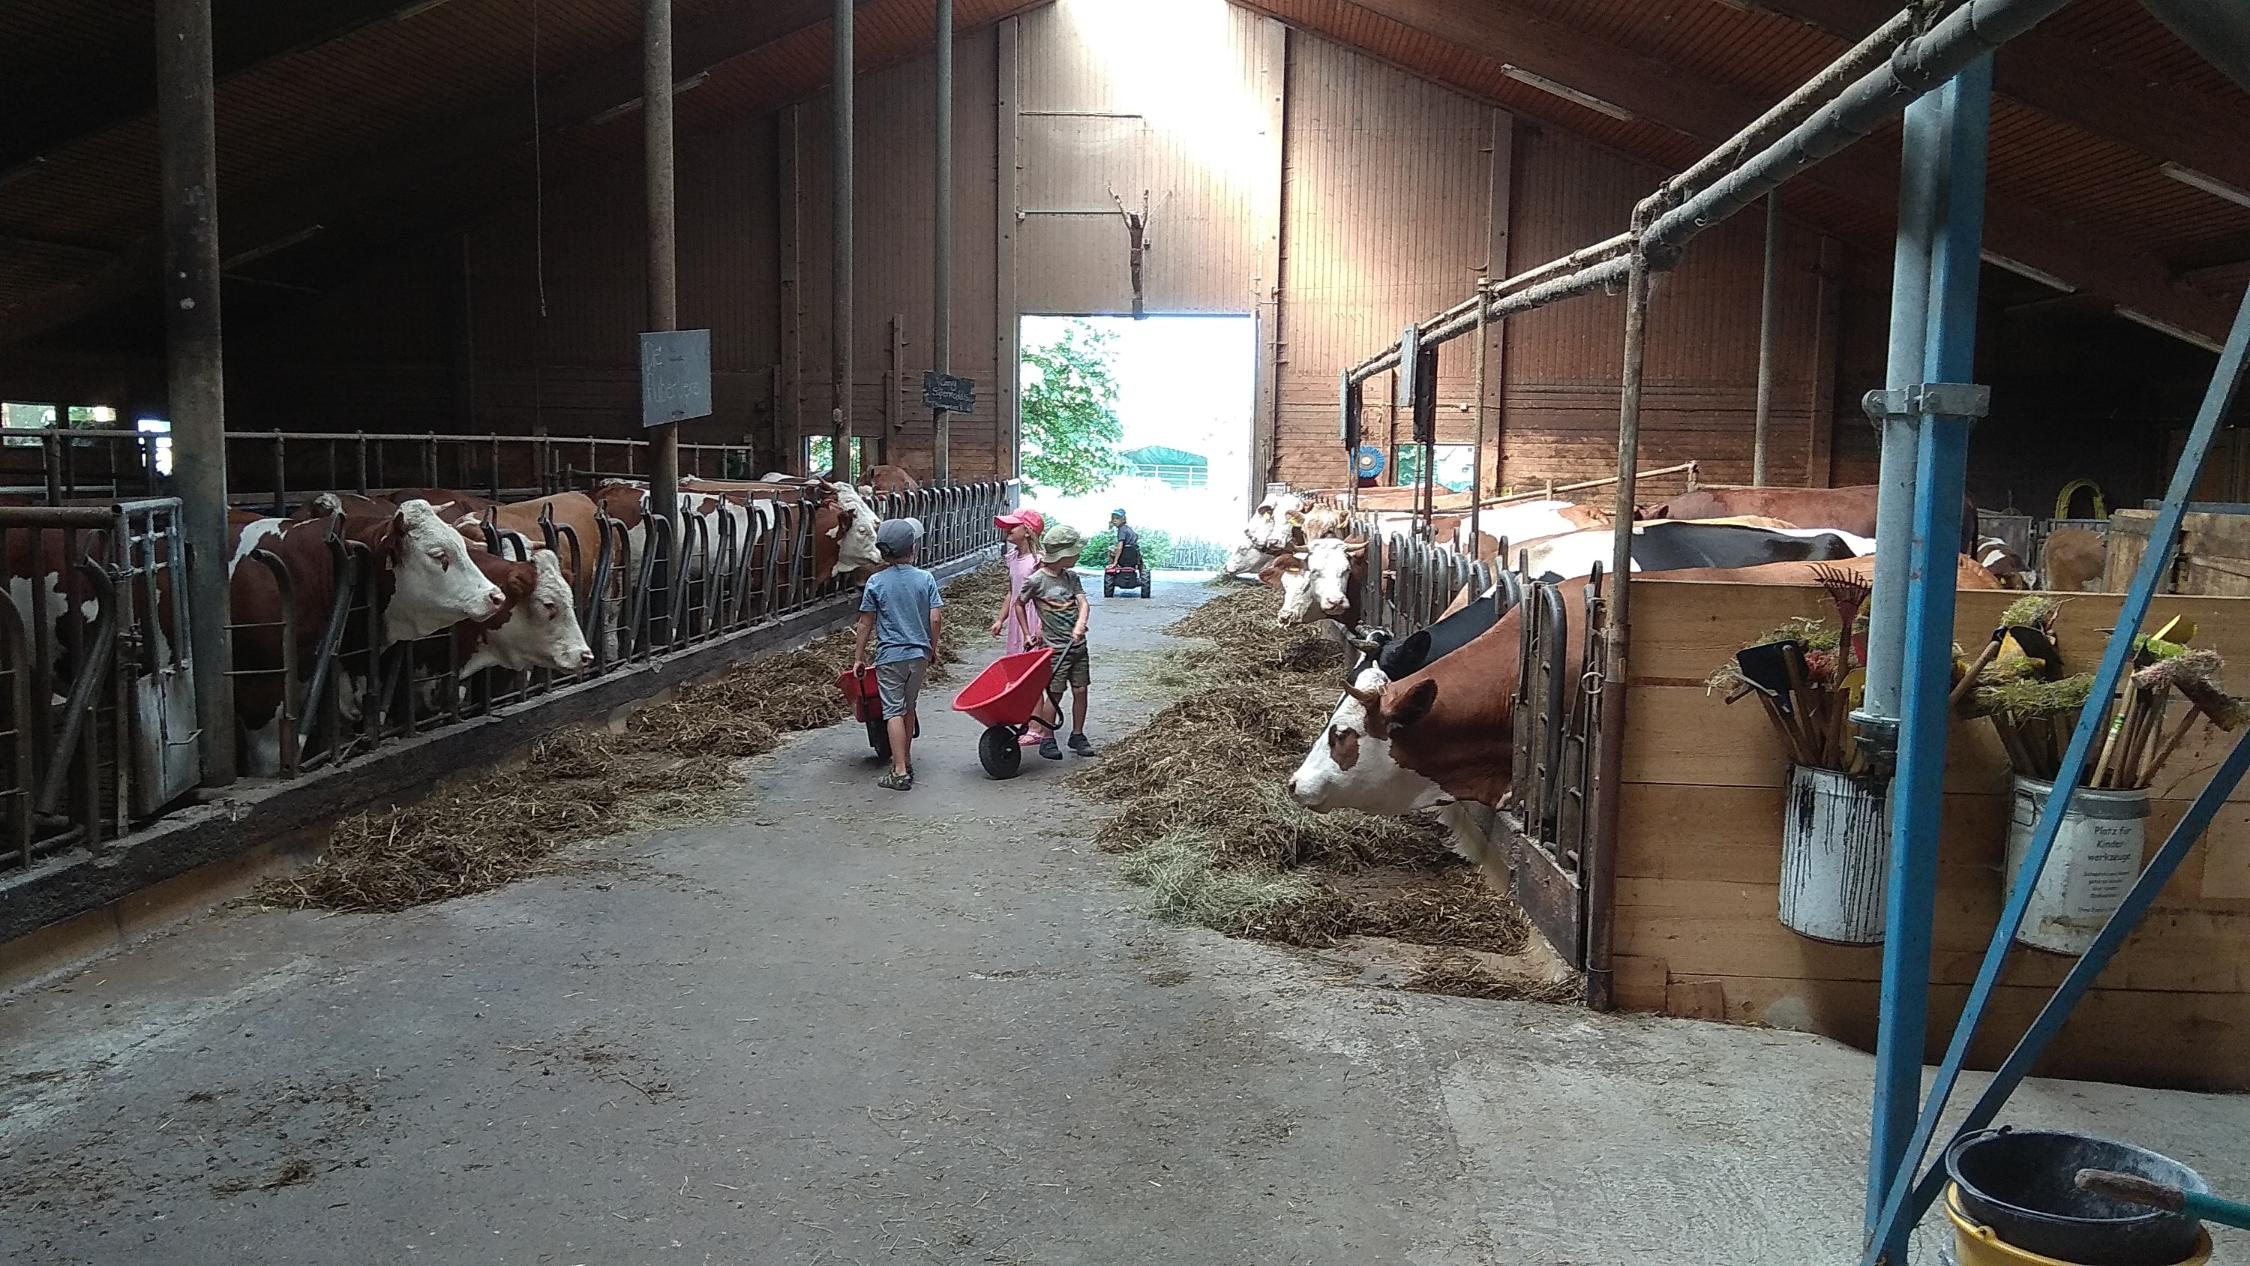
x=1003 y=698
x=867 y=706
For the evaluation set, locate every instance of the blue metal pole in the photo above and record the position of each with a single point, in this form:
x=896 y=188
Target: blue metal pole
x=2083 y=973
x=1955 y=140
x=2218 y=401
x=1922 y=141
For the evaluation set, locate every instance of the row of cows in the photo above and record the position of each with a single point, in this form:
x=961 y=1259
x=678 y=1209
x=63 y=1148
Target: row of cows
x=514 y=586
x=1426 y=721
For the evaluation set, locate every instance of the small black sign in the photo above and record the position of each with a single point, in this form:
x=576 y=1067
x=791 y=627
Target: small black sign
x=945 y=391
x=675 y=376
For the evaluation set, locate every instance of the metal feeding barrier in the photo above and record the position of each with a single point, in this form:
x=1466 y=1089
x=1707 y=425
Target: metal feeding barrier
x=277 y=469
x=1545 y=828
x=100 y=697
x=97 y=706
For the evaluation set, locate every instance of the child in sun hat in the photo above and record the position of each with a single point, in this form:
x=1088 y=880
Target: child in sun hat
x=900 y=608
x=1022 y=530
x=1055 y=593
x=1017 y=621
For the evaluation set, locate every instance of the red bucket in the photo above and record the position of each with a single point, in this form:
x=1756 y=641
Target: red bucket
x=860 y=692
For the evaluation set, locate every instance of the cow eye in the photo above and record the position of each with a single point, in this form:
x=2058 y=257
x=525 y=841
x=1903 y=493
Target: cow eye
x=437 y=555
x=552 y=610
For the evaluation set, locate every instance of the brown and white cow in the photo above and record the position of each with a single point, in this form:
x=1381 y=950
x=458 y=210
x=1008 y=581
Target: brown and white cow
x=2071 y=561
x=1850 y=509
x=425 y=575
x=1322 y=581
x=1442 y=734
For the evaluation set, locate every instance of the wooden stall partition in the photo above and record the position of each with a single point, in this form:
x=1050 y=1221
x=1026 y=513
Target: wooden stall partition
x=2213 y=558
x=1699 y=861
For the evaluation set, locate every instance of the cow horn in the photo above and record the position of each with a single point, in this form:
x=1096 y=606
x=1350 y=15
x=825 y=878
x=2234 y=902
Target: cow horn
x=1357 y=545
x=1367 y=698
x=1366 y=646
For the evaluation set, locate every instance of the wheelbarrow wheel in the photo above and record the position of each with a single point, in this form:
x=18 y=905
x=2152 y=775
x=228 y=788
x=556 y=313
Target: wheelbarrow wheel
x=1147 y=576
x=1109 y=585
x=879 y=738
x=998 y=751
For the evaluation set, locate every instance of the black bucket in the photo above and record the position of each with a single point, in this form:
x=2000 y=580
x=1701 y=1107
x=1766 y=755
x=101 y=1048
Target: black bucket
x=2022 y=1184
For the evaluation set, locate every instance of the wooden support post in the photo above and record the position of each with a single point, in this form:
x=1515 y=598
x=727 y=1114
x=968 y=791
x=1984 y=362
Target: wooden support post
x=1271 y=207
x=842 y=204
x=1820 y=445
x=1499 y=218
x=188 y=177
x=663 y=258
x=1007 y=177
x=941 y=253
x=789 y=415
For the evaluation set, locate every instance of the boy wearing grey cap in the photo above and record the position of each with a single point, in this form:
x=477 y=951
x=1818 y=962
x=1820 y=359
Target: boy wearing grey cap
x=900 y=609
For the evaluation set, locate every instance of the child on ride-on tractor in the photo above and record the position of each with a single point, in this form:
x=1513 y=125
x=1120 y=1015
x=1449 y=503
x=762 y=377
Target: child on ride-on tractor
x=1124 y=569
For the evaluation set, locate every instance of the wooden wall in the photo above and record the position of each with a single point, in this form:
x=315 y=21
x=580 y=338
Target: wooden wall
x=1696 y=928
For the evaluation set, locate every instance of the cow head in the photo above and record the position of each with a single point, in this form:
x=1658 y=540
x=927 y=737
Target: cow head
x=1246 y=560
x=1321 y=582
x=539 y=628
x=2007 y=566
x=433 y=582
x=1275 y=525
x=1351 y=765
x=843 y=534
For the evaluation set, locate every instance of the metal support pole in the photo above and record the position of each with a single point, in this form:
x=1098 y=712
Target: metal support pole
x=663 y=259
x=1963 y=114
x=1905 y=1206
x=840 y=281
x=188 y=175
x=1877 y=717
x=1766 y=294
x=1598 y=864
x=941 y=275
x=1476 y=455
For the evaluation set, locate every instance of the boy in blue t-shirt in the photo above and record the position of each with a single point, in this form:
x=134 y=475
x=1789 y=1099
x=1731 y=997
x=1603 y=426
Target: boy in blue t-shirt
x=899 y=608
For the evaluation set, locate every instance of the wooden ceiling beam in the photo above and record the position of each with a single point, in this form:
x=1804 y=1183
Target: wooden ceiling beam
x=1661 y=94
x=253 y=221
x=2050 y=75
x=47 y=112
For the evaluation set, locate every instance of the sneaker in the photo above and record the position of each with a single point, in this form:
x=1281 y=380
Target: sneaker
x=896 y=782
x=1079 y=745
x=1048 y=748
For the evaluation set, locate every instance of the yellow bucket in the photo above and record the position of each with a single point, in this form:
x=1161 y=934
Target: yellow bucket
x=1976 y=1245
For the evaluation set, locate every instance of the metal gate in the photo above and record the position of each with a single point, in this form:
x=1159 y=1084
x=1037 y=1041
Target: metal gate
x=156 y=669
x=1549 y=817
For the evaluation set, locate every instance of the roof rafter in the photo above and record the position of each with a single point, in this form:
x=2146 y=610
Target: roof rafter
x=1709 y=113
x=571 y=98
x=2049 y=75
x=48 y=113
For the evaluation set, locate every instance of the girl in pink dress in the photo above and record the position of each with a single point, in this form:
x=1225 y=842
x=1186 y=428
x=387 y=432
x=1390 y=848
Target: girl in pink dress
x=1017 y=620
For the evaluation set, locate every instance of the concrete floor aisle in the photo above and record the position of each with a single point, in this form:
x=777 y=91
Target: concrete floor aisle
x=843 y=1025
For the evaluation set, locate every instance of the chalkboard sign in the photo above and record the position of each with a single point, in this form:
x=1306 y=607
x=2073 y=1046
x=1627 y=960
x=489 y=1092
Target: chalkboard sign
x=945 y=391
x=675 y=376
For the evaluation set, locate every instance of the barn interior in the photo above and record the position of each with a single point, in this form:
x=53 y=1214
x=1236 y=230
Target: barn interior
x=437 y=232
x=432 y=220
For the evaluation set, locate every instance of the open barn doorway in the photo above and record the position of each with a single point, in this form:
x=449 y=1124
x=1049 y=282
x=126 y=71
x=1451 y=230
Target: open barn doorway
x=1152 y=416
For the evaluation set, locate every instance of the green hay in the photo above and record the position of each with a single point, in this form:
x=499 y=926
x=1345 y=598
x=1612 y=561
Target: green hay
x=1188 y=885
x=1463 y=975
x=2024 y=698
x=2032 y=611
x=1814 y=635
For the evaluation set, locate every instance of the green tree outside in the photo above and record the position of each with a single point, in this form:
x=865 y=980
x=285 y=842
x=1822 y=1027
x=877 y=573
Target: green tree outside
x=1070 y=426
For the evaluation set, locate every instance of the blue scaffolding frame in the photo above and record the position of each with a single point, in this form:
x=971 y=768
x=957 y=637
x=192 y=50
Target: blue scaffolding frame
x=1934 y=297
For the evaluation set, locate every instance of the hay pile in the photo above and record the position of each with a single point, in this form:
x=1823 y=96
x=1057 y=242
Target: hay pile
x=1208 y=828
x=577 y=785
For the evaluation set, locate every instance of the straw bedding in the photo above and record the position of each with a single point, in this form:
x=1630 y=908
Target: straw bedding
x=664 y=767
x=1206 y=825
